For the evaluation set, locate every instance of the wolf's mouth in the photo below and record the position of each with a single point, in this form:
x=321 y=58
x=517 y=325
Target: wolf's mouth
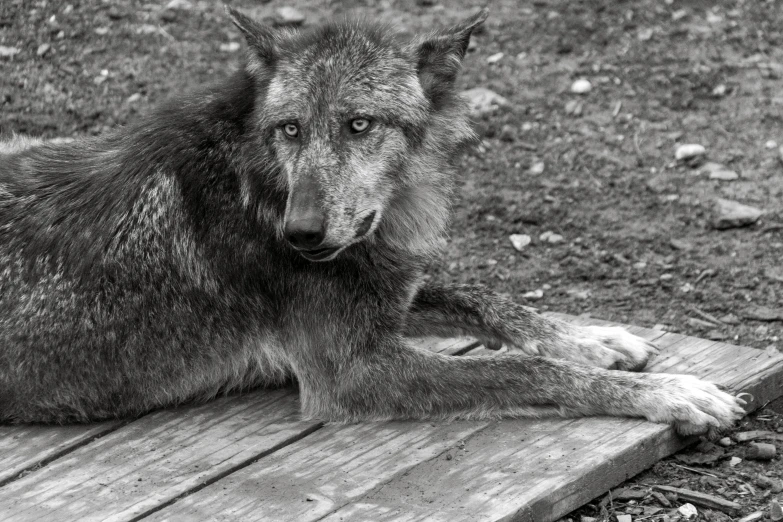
x=318 y=254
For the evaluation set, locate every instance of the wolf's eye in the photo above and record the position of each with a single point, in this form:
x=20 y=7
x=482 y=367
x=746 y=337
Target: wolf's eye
x=359 y=125
x=291 y=130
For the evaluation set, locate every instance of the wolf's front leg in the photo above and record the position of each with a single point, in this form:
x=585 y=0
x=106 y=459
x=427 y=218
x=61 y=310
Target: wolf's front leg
x=395 y=381
x=449 y=310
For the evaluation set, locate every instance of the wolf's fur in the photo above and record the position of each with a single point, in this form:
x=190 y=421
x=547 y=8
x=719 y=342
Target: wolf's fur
x=150 y=266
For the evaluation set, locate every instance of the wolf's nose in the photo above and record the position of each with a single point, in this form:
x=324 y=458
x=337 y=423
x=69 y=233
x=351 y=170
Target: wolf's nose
x=305 y=232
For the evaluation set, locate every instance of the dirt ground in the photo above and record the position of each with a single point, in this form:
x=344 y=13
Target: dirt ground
x=598 y=169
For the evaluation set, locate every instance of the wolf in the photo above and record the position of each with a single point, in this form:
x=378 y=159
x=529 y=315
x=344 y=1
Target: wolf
x=276 y=227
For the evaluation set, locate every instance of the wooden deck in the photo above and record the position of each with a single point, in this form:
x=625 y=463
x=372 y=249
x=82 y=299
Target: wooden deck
x=251 y=458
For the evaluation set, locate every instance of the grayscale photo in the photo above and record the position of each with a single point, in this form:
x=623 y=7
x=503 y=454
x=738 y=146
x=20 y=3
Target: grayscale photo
x=391 y=260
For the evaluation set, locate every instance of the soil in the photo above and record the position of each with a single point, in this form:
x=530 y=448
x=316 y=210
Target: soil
x=638 y=246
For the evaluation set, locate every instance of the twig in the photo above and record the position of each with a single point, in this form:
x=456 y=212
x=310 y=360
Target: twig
x=694 y=470
x=705 y=315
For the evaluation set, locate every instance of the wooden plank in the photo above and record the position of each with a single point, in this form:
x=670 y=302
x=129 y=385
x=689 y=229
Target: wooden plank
x=182 y=457
x=316 y=475
x=500 y=477
x=24 y=448
x=151 y=461
x=332 y=468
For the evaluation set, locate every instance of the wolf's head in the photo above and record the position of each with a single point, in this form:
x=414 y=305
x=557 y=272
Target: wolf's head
x=363 y=128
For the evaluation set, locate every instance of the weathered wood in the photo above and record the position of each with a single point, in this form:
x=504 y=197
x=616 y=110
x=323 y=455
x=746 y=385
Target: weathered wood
x=558 y=466
x=703 y=499
x=501 y=478
x=315 y=476
x=23 y=448
x=254 y=424
x=153 y=460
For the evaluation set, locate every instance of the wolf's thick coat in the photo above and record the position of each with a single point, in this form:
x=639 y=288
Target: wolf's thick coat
x=150 y=266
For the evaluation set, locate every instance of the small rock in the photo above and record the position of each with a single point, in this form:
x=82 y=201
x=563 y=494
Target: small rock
x=581 y=86
x=645 y=34
x=495 y=58
x=688 y=511
x=734 y=462
x=537 y=168
x=133 y=98
x=719 y=90
x=288 y=15
x=229 y=47
x=179 y=4
x=764 y=481
x=520 y=241
x=101 y=31
x=483 y=101
x=731 y=214
x=771 y=144
x=725 y=442
x=8 y=52
x=624 y=518
x=147 y=29
x=689 y=152
x=507 y=133
x=43 y=49
x=574 y=107
x=724 y=175
x=551 y=237
x=662 y=500
x=168 y=15
x=115 y=14
x=535 y=294
x=579 y=294
x=775 y=511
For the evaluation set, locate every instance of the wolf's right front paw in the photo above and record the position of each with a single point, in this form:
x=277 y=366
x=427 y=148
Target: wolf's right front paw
x=694 y=406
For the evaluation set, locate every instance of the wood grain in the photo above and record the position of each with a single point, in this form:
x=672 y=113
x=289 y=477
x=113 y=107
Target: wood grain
x=153 y=460
x=24 y=448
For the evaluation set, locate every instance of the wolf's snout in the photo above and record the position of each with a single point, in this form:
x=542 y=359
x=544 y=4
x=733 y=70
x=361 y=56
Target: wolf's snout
x=305 y=232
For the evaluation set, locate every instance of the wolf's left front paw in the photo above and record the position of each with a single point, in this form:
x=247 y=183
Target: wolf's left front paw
x=635 y=351
x=609 y=347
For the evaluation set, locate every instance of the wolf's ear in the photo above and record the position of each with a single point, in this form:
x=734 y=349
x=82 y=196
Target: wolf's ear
x=440 y=56
x=260 y=39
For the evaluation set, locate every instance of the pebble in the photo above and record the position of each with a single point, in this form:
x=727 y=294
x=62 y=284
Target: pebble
x=43 y=49
x=724 y=175
x=771 y=144
x=775 y=511
x=551 y=237
x=731 y=214
x=101 y=31
x=725 y=442
x=689 y=151
x=624 y=518
x=719 y=90
x=581 y=86
x=179 y=4
x=8 y=52
x=574 y=107
x=483 y=101
x=230 y=47
x=535 y=294
x=495 y=58
x=760 y=451
x=688 y=511
x=734 y=462
x=288 y=15
x=537 y=168
x=133 y=98
x=520 y=241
